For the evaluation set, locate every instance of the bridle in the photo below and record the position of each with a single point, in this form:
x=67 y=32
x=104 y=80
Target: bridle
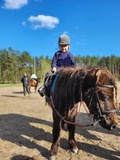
x=101 y=114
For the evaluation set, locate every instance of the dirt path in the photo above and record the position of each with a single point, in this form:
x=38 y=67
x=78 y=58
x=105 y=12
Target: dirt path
x=26 y=131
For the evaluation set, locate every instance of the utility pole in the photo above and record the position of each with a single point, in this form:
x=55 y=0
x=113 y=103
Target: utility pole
x=34 y=65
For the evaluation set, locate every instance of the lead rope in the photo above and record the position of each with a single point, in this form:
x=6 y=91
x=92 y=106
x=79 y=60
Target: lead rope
x=76 y=124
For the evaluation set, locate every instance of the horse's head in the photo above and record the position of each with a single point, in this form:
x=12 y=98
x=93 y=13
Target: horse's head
x=100 y=95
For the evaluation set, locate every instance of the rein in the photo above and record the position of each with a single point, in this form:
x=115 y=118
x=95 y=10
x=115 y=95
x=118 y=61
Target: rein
x=101 y=113
x=76 y=124
x=100 y=117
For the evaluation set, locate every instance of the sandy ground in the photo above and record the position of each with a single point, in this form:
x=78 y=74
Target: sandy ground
x=26 y=131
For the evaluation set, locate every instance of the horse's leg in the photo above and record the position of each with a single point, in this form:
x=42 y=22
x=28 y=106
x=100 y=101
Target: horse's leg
x=71 y=130
x=29 y=89
x=56 y=136
x=35 y=89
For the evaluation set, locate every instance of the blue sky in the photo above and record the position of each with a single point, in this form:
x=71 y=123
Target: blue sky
x=35 y=25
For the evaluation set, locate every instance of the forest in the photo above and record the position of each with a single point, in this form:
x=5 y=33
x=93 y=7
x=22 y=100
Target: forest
x=14 y=63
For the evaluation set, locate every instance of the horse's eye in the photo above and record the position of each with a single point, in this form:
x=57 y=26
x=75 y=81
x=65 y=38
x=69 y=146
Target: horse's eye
x=104 y=97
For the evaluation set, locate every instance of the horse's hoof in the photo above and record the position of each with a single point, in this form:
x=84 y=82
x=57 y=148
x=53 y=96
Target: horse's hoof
x=52 y=158
x=75 y=150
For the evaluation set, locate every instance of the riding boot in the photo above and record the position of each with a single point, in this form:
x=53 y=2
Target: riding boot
x=41 y=91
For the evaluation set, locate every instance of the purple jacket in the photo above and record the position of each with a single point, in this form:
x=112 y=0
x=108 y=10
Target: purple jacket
x=62 y=59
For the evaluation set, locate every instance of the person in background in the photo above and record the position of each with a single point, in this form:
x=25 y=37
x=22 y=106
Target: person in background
x=33 y=76
x=25 y=82
x=62 y=58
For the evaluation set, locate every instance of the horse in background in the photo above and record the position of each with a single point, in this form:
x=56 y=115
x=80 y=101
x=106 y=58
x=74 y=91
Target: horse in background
x=34 y=83
x=96 y=87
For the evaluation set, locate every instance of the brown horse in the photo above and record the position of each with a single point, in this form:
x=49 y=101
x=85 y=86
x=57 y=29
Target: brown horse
x=34 y=83
x=96 y=87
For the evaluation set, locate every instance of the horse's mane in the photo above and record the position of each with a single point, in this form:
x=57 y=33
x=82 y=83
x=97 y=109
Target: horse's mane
x=69 y=82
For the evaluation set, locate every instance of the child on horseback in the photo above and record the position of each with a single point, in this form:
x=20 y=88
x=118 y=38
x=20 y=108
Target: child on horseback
x=33 y=76
x=62 y=58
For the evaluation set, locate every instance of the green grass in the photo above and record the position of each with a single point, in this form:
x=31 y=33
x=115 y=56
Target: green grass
x=14 y=85
x=10 y=85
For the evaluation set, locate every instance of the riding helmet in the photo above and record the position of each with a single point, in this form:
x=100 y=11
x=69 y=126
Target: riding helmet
x=63 y=39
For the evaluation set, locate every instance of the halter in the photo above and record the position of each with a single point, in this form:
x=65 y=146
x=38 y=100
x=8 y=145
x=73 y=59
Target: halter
x=101 y=113
x=106 y=86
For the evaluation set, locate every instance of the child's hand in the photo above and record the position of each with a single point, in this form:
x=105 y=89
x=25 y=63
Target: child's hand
x=54 y=69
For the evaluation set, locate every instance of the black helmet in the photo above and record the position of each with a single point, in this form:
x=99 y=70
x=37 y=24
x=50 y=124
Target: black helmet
x=63 y=39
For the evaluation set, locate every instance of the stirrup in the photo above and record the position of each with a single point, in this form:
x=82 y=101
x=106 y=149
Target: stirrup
x=39 y=91
x=41 y=94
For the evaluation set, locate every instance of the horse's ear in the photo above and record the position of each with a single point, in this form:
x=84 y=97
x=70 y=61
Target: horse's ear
x=98 y=72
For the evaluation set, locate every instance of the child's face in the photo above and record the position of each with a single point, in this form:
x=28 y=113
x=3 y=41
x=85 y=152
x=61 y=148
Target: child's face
x=64 y=48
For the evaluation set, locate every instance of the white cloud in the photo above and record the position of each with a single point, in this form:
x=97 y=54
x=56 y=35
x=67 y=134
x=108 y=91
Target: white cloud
x=24 y=23
x=14 y=4
x=43 y=21
x=65 y=32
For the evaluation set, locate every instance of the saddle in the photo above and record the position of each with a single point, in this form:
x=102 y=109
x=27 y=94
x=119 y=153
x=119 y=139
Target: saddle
x=34 y=79
x=49 y=83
